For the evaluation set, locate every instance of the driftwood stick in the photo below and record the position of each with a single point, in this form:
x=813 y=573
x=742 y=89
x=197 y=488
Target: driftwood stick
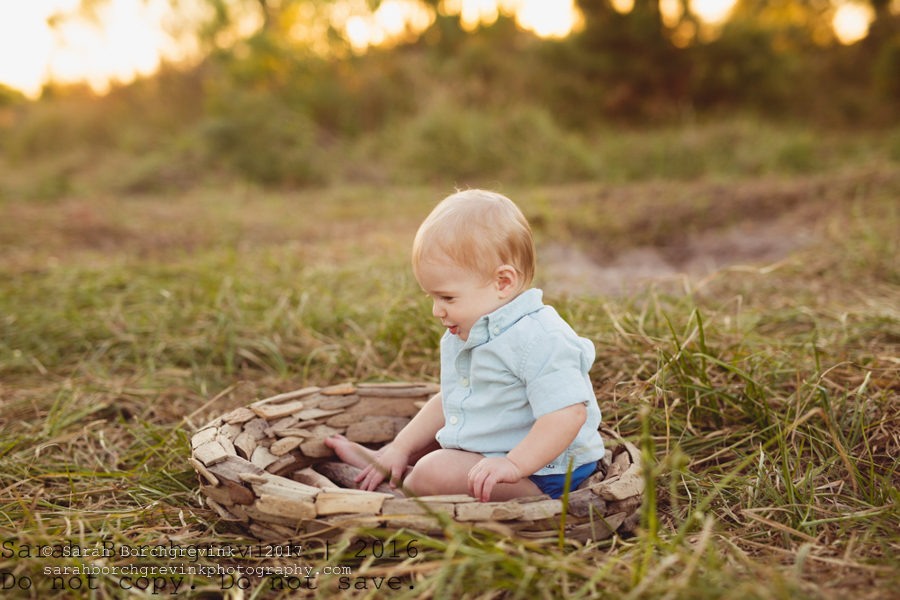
x=343 y=474
x=287 y=396
x=311 y=477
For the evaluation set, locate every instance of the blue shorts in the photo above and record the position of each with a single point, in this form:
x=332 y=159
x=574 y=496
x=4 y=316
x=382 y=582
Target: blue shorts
x=554 y=485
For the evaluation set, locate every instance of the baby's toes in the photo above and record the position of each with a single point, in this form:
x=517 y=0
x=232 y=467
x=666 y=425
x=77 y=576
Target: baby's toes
x=335 y=440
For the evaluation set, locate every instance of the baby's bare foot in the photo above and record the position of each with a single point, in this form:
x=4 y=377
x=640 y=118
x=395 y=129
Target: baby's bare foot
x=350 y=452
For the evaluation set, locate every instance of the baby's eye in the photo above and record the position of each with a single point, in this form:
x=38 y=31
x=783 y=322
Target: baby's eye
x=447 y=298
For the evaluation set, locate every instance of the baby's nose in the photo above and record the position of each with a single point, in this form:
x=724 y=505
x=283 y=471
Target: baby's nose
x=437 y=311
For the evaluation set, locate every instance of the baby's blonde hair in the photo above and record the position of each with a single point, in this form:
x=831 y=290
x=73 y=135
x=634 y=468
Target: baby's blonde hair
x=477 y=230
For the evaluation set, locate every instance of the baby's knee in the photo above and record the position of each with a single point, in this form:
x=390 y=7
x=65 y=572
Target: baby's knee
x=425 y=477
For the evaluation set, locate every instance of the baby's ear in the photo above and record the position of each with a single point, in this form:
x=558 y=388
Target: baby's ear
x=507 y=280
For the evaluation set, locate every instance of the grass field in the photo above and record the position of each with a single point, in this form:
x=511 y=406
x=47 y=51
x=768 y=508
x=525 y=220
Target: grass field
x=768 y=390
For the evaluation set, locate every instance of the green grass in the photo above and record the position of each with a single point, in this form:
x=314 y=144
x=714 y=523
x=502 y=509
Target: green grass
x=769 y=397
x=58 y=150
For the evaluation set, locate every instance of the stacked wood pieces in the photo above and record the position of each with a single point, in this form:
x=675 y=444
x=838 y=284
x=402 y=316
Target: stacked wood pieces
x=266 y=467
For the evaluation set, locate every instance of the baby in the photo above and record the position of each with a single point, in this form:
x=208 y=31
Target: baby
x=516 y=405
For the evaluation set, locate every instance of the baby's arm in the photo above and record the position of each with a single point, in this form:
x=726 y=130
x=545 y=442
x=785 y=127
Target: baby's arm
x=412 y=439
x=550 y=435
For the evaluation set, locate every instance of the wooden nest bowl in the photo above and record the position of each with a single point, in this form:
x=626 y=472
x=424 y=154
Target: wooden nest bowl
x=266 y=467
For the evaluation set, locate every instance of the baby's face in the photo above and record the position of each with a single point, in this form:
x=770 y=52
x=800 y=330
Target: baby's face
x=460 y=296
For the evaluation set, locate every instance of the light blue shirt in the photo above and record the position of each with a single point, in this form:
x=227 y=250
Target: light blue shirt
x=520 y=363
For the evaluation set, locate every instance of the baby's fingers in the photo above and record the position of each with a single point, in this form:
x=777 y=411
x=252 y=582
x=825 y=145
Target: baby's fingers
x=396 y=475
x=375 y=477
x=370 y=477
x=484 y=485
x=476 y=483
x=362 y=474
x=487 y=487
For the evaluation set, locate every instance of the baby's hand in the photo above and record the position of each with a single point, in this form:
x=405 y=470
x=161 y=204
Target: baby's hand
x=388 y=461
x=488 y=472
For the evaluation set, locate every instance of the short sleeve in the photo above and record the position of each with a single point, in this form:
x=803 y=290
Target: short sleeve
x=555 y=372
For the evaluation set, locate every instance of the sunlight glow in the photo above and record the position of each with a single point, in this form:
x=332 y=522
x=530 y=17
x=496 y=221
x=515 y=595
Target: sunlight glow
x=394 y=21
x=714 y=12
x=472 y=13
x=133 y=36
x=549 y=18
x=475 y=12
x=671 y=12
x=26 y=45
x=623 y=6
x=130 y=40
x=851 y=22
x=546 y=18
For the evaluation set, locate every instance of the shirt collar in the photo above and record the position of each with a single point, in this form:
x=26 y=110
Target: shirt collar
x=491 y=325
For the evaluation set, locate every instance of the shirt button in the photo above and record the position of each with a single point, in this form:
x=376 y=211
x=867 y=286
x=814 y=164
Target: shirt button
x=464 y=382
x=496 y=331
x=453 y=420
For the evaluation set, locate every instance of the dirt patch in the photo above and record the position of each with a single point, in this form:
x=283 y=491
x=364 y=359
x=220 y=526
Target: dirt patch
x=605 y=239
x=565 y=269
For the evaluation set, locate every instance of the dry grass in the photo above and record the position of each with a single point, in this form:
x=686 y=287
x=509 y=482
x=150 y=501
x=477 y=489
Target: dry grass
x=769 y=396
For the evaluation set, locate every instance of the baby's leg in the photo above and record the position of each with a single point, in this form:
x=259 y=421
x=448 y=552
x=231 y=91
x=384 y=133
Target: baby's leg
x=360 y=456
x=447 y=472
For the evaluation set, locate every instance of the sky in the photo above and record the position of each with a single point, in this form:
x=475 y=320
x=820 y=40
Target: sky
x=131 y=36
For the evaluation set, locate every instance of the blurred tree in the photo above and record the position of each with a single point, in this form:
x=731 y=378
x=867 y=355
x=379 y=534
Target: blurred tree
x=619 y=64
x=886 y=24
x=882 y=46
x=771 y=55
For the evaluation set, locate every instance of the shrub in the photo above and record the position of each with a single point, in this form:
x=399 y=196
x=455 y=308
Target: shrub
x=160 y=171
x=56 y=126
x=10 y=97
x=445 y=143
x=263 y=139
x=797 y=155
